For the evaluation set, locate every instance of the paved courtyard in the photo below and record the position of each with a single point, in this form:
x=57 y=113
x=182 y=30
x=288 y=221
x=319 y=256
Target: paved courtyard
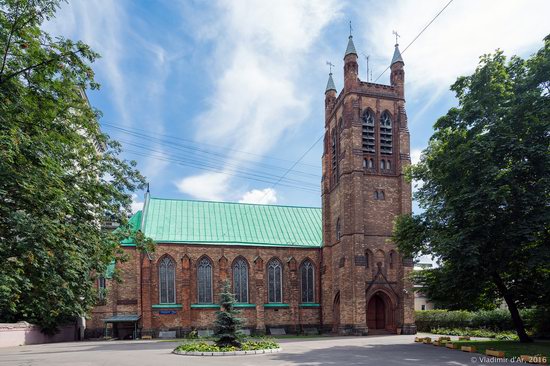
x=329 y=351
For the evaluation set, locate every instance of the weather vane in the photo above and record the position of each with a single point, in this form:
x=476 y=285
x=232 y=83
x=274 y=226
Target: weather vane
x=330 y=65
x=396 y=37
x=350 y=28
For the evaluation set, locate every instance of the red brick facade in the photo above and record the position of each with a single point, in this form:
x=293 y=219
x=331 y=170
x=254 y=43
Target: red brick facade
x=141 y=271
x=360 y=279
x=363 y=277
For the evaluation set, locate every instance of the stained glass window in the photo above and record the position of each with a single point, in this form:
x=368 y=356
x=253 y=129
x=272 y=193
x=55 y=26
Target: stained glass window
x=204 y=279
x=167 y=281
x=240 y=280
x=307 y=281
x=275 y=281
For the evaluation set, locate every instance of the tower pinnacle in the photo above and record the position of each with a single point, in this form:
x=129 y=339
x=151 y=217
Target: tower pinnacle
x=330 y=84
x=396 y=55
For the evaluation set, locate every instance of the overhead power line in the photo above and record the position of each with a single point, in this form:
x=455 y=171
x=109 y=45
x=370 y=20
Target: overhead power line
x=238 y=175
x=210 y=166
x=418 y=35
x=208 y=156
x=224 y=149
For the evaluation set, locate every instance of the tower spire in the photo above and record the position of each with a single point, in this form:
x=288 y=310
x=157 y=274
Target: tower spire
x=330 y=84
x=350 y=50
x=396 y=55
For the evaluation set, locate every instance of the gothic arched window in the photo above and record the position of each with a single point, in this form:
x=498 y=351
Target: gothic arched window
x=204 y=281
x=274 y=281
x=167 y=281
x=367 y=121
x=383 y=164
x=381 y=195
x=338 y=229
x=307 y=275
x=385 y=134
x=240 y=280
x=388 y=165
x=101 y=287
x=371 y=164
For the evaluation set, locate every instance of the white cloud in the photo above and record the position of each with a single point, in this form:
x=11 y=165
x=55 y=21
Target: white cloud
x=136 y=204
x=415 y=155
x=451 y=46
x=100 y=25
x=207 y=186
x=263 y=196
x=106 y=27
x=259 y=91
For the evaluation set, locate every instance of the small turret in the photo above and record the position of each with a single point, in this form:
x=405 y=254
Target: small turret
x=397 y=76
x=330 y=95
x=351 y=68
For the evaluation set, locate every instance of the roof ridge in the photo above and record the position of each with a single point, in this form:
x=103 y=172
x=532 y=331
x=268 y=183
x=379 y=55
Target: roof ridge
x=233 y=203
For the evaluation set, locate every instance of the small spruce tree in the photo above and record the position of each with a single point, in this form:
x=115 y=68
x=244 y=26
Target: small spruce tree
x=227 y=323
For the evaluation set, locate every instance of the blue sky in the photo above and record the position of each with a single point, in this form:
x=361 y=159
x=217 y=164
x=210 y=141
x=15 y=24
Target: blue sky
x=216 y=99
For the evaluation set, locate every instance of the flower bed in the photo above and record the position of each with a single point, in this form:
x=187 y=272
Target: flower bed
x=209 y=349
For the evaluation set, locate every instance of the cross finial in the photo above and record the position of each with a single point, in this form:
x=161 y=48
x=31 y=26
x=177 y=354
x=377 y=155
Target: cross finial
x=350 y=29
x=330 y=65
x=396 y=36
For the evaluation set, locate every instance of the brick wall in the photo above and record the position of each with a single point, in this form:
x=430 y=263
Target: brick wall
x=140 y=278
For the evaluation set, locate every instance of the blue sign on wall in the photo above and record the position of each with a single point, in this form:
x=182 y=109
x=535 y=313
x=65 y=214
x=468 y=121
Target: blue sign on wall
x=167 y=312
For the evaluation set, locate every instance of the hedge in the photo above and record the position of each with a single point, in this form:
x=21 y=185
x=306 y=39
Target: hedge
x=495 y=320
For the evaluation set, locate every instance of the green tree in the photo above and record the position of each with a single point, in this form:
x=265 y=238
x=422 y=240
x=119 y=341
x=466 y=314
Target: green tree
x=227 y=323
x=60 y=176
x=486 y=188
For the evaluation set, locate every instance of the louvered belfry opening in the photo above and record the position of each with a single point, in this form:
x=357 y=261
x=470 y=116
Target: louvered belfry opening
x=368 y=132
x=385 y=134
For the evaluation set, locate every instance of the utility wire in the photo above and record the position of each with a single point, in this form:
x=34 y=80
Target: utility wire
x=418 y=35
x=210 y=166
x=281 y=178
x=133 y=130
x=218 y=157
x=242 y=175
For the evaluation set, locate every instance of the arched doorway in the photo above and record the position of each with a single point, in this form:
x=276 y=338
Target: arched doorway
x=376 y=312
x=336 y=313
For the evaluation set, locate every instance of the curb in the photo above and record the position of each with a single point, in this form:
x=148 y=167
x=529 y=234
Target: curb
x=234 y=353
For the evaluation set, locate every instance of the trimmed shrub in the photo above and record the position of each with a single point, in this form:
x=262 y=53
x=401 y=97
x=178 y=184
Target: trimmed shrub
x=485 y=333
x=426 y=320
x=498 y=320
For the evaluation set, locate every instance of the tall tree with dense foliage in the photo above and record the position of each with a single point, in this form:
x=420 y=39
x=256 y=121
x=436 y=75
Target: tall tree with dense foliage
x=60 y=176
x=486 y=189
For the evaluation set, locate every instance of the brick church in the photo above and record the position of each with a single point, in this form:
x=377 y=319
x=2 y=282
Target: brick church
x=332 y=269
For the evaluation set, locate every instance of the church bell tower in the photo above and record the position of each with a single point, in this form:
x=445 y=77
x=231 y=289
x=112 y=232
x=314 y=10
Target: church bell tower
x=365 y=286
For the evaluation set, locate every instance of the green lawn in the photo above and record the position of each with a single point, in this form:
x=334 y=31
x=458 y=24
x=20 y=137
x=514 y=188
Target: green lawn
x=511 y=348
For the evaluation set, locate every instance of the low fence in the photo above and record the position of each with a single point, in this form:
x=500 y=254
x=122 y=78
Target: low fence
x=23 y=333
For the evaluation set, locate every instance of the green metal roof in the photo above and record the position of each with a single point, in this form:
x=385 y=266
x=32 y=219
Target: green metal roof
x=135 y=224
x=110 y=270
x=183 y=221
